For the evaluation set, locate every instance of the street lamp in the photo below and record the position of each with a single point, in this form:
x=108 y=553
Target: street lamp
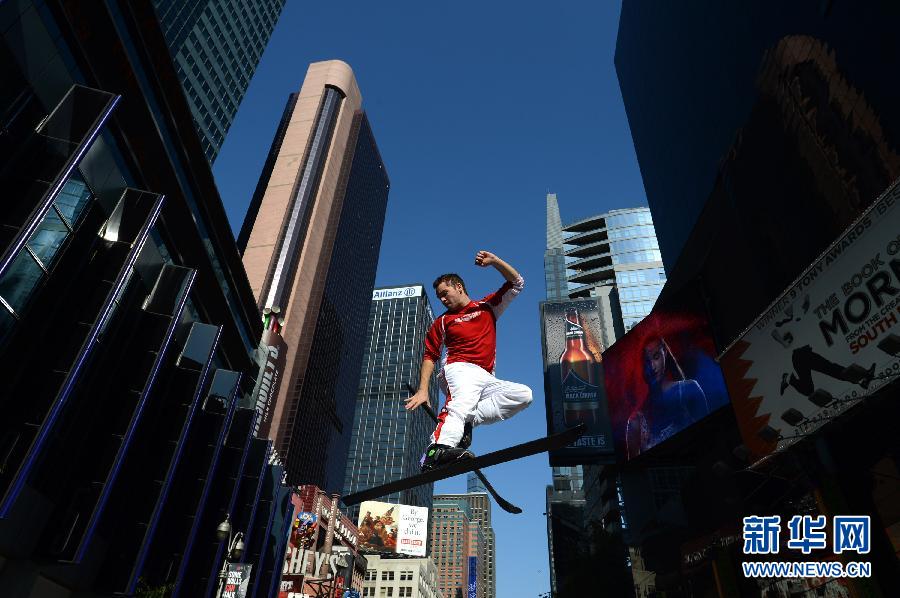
x=235 y=549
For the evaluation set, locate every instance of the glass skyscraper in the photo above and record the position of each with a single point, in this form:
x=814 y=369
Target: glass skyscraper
x=216 y=46
x=387 y=441
x=617 y=248
x=554 y=256
x=614 y=258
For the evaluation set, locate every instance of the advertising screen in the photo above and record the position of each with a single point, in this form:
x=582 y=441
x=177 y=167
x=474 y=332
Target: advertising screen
x=828 y=341
x=661 y=377
x=472 y=582
x=573 y=380
x=388 y=527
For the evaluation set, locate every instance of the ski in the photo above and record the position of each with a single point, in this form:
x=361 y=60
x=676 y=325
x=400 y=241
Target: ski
x=526 y=449
x=501 y=502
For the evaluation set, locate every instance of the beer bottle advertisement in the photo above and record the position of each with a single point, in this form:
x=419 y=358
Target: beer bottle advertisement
x=573 y=337
x=580 y=392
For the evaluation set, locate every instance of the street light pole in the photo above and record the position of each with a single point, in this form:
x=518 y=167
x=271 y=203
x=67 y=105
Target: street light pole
x=235 y=550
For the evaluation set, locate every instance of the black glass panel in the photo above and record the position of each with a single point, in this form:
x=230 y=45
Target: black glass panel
x=48 y=238
x=73 y=199
x=20 y=280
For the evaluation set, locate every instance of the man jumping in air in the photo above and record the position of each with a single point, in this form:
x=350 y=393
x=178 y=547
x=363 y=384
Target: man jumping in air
x=469 y=331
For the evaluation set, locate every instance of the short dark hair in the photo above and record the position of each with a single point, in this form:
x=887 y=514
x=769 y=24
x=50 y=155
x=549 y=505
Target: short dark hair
x=451 y=279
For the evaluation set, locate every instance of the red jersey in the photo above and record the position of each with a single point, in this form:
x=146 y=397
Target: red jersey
x=470 y=334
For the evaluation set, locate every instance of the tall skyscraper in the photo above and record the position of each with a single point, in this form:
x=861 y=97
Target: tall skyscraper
x=310 y=245
x=216 y=46
x=388 y=441
x=473 y=484
x=564 y=498
x=457 y=542
x=614 y=258
x=479 y=502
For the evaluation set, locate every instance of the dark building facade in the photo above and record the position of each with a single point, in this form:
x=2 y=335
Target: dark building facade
x=310 y=244
x=216 y=46
x=127 y=324
x=330 y=385
x=387 y=440
x=763 y=131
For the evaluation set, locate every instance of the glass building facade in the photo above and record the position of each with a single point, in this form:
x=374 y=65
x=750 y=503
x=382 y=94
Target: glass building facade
x=216 y=46
x=387 y=441
x=125 y=318
x=620 y=249
x=637 y=262
x=554 y=256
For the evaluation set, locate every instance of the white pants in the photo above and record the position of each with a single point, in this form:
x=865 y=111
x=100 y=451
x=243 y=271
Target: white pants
x=475 y=395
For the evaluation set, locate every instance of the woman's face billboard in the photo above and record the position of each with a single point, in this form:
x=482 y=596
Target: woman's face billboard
x=660 y=378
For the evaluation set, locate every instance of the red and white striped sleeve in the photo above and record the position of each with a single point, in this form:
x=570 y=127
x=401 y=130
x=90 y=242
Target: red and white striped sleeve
x=499 y=300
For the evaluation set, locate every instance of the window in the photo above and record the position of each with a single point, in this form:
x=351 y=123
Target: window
x=367 y=592
x=387 y=592
x=406 y=575
x=371 y=575
x=405 y=592
x=387 y=576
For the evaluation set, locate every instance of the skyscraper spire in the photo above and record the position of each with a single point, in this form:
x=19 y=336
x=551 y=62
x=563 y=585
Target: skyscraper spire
x=554 y=224
x=554 y=258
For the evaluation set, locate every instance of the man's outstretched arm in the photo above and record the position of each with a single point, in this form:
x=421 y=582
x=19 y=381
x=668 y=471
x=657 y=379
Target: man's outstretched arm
x=486 y=258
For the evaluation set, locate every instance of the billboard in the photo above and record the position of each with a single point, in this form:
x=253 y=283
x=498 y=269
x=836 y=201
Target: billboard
x=307 y=556
x=472 y=583
x=272 y=354
x=303 y=530
x=573 y=380
x=237 y=580
x=662 y=376
x=829 y=340
x=385 y=527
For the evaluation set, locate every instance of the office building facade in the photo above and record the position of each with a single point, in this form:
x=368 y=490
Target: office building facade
x=479 y=502
x=216 y=46
x=400 y=576
x=310 y=244
x=457 y=543
x=126 y=319
x=615 y=256
x=387 y=441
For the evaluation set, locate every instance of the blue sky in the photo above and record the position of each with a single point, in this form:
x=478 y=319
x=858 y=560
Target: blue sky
x=479 y=108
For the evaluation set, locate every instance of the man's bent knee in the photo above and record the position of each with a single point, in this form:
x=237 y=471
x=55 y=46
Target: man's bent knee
x=526 y=396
